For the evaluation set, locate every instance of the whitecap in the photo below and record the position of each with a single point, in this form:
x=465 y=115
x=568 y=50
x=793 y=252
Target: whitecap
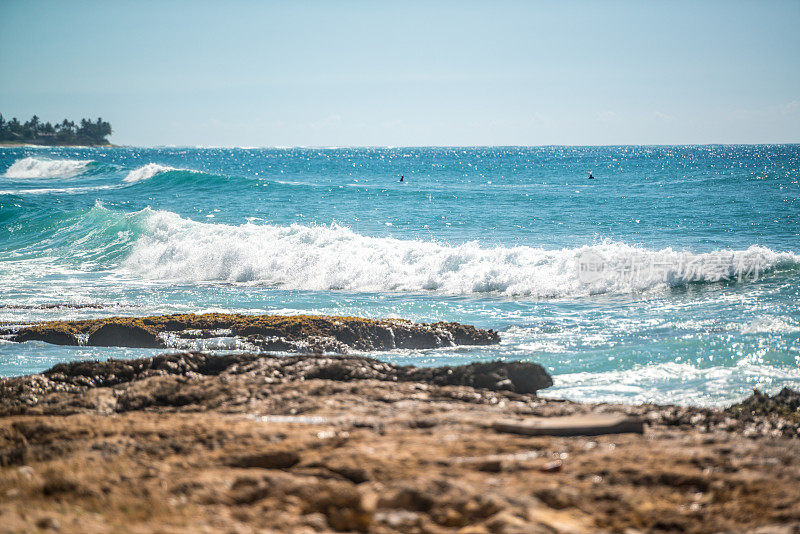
x=320 y=258
x=46 y=168
x=49 y=190
x=148 y=171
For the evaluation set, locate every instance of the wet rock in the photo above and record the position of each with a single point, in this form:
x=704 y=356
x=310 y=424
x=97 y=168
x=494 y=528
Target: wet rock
x=320 y=345
x=124 y=335
x=463 y=334
x=275 y=343
x=52 y=336
x=301 y=333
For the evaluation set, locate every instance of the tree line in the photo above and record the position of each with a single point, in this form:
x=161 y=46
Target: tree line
x=66 y=132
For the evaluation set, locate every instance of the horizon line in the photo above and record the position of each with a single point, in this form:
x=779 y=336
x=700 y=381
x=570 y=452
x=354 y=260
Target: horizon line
x=334 y=147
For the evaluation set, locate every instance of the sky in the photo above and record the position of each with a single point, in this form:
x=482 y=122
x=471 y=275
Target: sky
x=305 y=73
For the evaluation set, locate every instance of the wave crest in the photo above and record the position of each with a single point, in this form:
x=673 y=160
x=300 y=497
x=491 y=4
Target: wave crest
x=323 y=258
x=46 y=168
x=148 y=171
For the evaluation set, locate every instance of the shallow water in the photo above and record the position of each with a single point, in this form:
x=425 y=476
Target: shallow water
x=671 y=277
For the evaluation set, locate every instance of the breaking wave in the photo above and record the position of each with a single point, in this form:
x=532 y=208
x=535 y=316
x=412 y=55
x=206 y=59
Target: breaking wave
x=148 y=171
x=46 y=168
x=337 y=258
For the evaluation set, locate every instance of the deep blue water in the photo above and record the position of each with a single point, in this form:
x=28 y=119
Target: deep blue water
x=673 y=276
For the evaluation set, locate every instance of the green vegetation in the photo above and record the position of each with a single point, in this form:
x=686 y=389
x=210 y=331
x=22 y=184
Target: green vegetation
x=66 y=132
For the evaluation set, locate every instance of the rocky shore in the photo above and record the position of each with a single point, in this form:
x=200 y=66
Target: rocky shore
x=194 y=442
x=300 y=333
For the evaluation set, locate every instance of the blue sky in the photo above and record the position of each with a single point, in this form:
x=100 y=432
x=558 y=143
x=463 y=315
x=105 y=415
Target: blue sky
x=408 y=73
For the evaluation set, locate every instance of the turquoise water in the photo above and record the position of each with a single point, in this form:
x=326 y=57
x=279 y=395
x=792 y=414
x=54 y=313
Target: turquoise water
x=671 y=277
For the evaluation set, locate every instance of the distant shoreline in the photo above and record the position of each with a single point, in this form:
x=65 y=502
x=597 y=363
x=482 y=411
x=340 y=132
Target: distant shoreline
x=17 y=144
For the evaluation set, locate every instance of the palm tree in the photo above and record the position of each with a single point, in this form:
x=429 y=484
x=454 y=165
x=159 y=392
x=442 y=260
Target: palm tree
x=65 y=132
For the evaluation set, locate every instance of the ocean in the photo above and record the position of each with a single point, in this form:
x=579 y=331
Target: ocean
x=671 y=277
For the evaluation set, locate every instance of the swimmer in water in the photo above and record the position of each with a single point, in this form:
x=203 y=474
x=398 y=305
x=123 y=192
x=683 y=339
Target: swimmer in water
x=401 y=177
x=591 y=177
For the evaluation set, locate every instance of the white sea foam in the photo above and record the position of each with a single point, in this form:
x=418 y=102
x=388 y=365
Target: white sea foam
x=336 y=258
x=148 y=171
x=672 y=383
x=48 y=190
x=769 y=325
x=46 y=168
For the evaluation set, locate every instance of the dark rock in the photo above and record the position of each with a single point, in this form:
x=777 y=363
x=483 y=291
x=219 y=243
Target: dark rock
x=464 y=334
x=559 y=497
x=519 y=377
x=422 y=422
x=177 y=379
x=301 y=333
x=785 y=404
x=272 y=343
x=112 y=372
x=268 y=460
x=354 y=474
x=195 y=334
x=57 y=483
x=490 y=466
x=124 y=335
x=409 y=498
x=48 y=523
x=55 y=337
x=342 y=370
